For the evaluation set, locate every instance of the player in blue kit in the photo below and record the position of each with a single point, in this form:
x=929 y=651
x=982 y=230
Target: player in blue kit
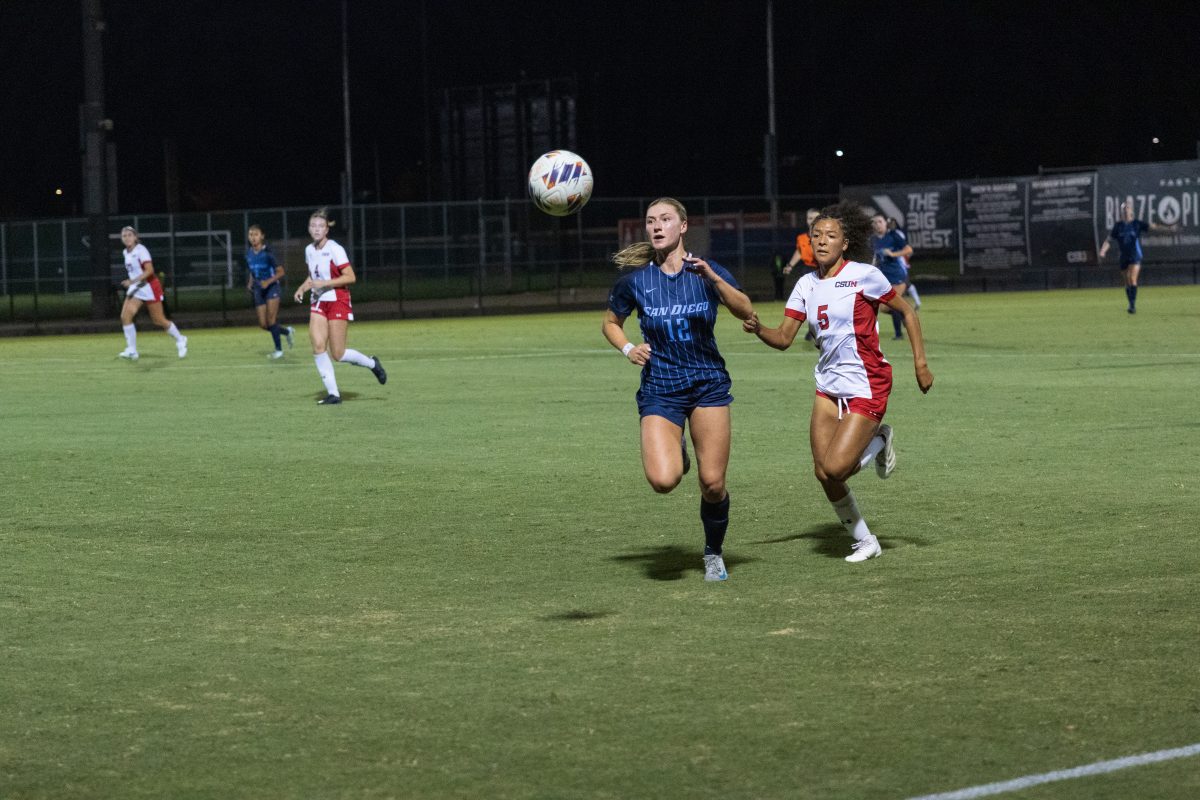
x=1127 y=233
x=891 y=248
x=684 y=380
x=263 y=282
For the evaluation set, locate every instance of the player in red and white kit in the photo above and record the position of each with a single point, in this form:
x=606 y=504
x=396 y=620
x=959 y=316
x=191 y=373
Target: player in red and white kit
x=840 y=301
x=329 y=273
x=142 y=287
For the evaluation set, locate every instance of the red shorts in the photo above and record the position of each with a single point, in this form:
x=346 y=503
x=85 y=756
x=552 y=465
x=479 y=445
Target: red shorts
x=334 y=309
x=871 y=407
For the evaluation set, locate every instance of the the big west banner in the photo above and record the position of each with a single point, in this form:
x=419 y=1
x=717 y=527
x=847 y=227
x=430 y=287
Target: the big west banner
x=928 y=213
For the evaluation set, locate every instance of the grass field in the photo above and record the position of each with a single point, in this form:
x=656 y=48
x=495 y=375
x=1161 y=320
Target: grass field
x=460 y=585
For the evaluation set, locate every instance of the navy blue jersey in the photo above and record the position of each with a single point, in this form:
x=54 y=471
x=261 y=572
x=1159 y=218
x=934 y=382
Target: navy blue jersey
x=891 y=266
x=676 y=314
x=261 y=264
x=1129 y=239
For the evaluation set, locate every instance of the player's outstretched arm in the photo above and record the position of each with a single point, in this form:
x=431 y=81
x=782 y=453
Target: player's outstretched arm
x=916 y=339
x=733 y=299
x=780 y=338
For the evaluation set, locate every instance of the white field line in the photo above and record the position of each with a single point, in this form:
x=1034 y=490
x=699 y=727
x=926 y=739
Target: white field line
x=1098 y=768
x=293 y=361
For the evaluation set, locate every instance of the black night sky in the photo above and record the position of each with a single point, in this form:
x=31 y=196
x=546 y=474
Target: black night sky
x=673 y=95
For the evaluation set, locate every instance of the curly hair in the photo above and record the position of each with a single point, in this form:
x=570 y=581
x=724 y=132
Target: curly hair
x=856 y=226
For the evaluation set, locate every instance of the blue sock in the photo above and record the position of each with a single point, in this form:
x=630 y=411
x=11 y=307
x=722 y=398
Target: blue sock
x=715 y=518
x=1132 y=291
x=896 y=323
x=276 y=331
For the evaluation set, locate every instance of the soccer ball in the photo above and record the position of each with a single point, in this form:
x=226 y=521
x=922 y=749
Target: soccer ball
x=560 y=183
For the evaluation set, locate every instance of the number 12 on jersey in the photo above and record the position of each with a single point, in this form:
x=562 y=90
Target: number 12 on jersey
x=677 y=329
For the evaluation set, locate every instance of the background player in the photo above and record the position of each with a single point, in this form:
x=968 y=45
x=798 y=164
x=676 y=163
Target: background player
x=143 y=286
x=853 y=378
x=683 y=375
x=1127 y=233
x=329 y=317
x=264 y=285
x=890 y=247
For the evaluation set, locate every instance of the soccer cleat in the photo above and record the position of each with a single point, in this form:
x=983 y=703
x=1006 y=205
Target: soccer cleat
x=275 y=355
x=290 y=333
x=181 y=346
x=1131 y=310
x=885 y=461
x=687 y=460
x=714 y=568
x=132 y=355
x=380 y=372
x=867 y=548
x=330 y=400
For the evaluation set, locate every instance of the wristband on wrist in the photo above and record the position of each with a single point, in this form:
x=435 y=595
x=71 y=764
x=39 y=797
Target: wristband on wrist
x=625 y=350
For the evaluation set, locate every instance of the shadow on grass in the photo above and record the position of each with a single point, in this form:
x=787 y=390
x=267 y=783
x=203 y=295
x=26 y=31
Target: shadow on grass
x=832 y=541
x=575 y=616
x=346 y=396
x=670 y=562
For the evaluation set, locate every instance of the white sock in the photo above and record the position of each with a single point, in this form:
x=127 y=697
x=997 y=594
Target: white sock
x=325 y=370
x=912 y=291
x=357 y=358
x=130 y=337
x=873 y=448
x=847 y=511
x=174 y=333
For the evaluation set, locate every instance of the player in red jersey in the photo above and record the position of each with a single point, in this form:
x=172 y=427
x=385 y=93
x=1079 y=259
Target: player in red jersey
x=840 y=300
x=142 y=287
x=329 y=273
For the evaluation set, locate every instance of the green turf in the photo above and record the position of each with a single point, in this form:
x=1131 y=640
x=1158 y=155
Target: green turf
x=460 y=585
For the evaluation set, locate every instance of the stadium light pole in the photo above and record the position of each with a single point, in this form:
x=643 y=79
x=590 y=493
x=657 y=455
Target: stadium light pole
x=93 y=129
x=771 y=149
x=348 y=186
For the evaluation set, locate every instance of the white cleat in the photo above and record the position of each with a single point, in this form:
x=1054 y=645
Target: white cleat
x=275 y=355
x=867 y=548
x=885 y=462
x=132 y=355
x=181 y=346
x=714 y=568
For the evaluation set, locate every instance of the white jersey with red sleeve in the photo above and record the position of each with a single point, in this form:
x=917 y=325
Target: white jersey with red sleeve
x=326 y=264
x=134 y=259
x=841 y=309
x=151 y=292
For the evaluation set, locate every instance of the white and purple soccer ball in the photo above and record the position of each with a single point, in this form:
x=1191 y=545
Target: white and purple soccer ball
x=560 y=183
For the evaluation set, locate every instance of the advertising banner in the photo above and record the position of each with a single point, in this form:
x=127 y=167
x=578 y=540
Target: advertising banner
x=993 y=225
x=928 y=213
x=1062 y=214
x=1166 y=193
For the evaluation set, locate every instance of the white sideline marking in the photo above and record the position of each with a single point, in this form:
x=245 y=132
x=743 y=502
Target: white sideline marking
x=1099 y=768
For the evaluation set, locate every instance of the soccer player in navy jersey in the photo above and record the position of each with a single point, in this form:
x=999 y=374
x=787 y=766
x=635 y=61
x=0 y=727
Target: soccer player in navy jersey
x=1127 y=233
x=891 y=248
x=840 y=301
x=263 y=283
x=684 y=380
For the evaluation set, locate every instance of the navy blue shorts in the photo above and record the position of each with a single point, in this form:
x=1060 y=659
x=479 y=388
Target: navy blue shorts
x=1125 y=262
x=261 y=295
x=677 y=406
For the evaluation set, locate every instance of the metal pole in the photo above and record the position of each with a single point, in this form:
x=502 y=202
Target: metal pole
x=346 y=116
x=93 y=130
x=771 y=156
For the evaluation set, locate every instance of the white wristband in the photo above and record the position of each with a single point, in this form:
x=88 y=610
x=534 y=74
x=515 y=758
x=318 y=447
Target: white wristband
x=625 y=350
